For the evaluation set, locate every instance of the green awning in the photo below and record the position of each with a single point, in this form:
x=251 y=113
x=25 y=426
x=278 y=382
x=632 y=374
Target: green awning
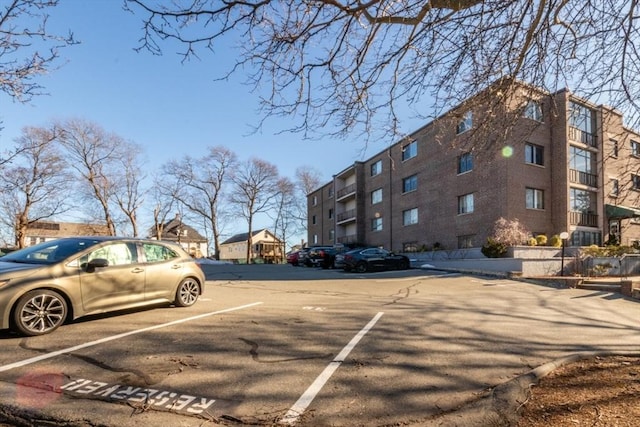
x=621 y=212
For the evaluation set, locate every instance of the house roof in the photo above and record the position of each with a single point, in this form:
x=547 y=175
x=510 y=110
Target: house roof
x=176 y=228
x=242 y=237
x=66 y=229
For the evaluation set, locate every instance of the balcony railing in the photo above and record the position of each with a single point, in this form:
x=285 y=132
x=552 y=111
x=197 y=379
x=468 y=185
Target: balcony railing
x=346 y=191
x=583 y=218
x=583 y=178
x=352 y=238
x=579 y=135
x=346 y=216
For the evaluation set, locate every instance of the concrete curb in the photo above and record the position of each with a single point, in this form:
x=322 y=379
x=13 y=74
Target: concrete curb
x=501 y=405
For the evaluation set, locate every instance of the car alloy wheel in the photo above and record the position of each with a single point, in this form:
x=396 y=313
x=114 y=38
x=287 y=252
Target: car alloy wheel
x=188 y=292
x=362 y=267
x=39 y=312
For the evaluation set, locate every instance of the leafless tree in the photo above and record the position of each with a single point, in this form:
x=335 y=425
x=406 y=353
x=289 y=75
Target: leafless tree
x=96 y=156
x=285 y=219
x=367 y=65
x=198 y=185
x=27 y=49
x=34 y=186
x=128 y=194
x=307 y=180
x=255 y=186
x=163 y=199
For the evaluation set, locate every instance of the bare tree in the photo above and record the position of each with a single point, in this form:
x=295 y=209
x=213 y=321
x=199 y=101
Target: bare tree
x=163 y=203
x=34 y=186
x=308 y=180
x=285 y=220
x=27 y=49
x=95 y=155
x=198 y=185
x=128 y=194
x=354 y=64
x=255 y=186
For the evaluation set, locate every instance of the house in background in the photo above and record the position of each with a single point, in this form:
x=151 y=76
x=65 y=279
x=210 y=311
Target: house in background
x=265 y=247
x=42 y=231
x=184 y=235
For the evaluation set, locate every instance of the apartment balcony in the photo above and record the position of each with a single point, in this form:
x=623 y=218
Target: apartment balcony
x=583 y=218
x=579 y=135
x=352 y=238
x=346 y=216
x=584 y=178
x=346 y=192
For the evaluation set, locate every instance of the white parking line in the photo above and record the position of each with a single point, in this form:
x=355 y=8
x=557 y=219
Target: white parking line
x=298 y=408
x=115 y=337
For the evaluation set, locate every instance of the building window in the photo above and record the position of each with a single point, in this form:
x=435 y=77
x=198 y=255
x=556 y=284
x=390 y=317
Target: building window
x=410 y=216
x=635 y=148
x=615 y=187
x=331 y=213
x=315 y=200
x=614 y=148
x=376 y=224
x=410 y=150
x=332 y=235
x=466 y=123
x=313 y=220
x=582 y=200
x=534 y=154
x=465 y=204
x=465 y=242
x=581 y=117
x=315 y=239
x=534 y=198
x=330 y=192
x=465 y=163
x=533 y=110
x=376 y=196
x=410 y=184
x=635 y=182
x=376 y=168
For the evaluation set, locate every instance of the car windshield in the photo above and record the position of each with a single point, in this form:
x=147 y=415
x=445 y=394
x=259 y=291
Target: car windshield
x=49 y=252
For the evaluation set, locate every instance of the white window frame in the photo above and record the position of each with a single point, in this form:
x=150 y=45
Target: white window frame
x=412 y=179
x=534 y=198
x=465 y=204
x=410 y=150
x=533 y=110
x=376 y=168
x=465 y=123
x=410 y=216
x=376 y=224
x=376 y=196
x=534 y=154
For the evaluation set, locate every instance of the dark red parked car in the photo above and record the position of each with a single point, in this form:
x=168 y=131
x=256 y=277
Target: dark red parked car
x=292 y=258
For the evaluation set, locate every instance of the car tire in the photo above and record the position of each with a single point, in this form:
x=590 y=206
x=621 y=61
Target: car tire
x=188 y=292
x=39 y=312
x=362 y=267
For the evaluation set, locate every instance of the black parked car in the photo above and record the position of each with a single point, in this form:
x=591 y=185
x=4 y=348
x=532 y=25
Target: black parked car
x=369 y=259
x=324 y=256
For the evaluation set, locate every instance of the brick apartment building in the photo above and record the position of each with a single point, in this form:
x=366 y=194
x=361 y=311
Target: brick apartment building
x=554 y=161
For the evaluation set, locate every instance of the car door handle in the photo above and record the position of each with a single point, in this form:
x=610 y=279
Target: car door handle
x=175 y=266
x=137 y=270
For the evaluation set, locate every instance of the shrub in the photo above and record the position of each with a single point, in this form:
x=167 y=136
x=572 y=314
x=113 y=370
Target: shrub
x=510 y=232
x=494 y=249
x=533 y=241
x=555 y=241
x=541 y=240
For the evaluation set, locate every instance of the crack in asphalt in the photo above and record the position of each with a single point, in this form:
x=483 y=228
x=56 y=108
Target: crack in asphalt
x=403 y=293
x=253 y=351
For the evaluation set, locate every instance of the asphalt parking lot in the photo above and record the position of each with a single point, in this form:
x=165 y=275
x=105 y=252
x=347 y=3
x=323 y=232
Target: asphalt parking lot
x=279 y=345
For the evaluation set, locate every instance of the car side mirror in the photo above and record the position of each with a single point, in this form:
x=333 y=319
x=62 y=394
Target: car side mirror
x=97 y=263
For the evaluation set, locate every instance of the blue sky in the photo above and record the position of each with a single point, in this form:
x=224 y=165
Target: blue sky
x=168 y=107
